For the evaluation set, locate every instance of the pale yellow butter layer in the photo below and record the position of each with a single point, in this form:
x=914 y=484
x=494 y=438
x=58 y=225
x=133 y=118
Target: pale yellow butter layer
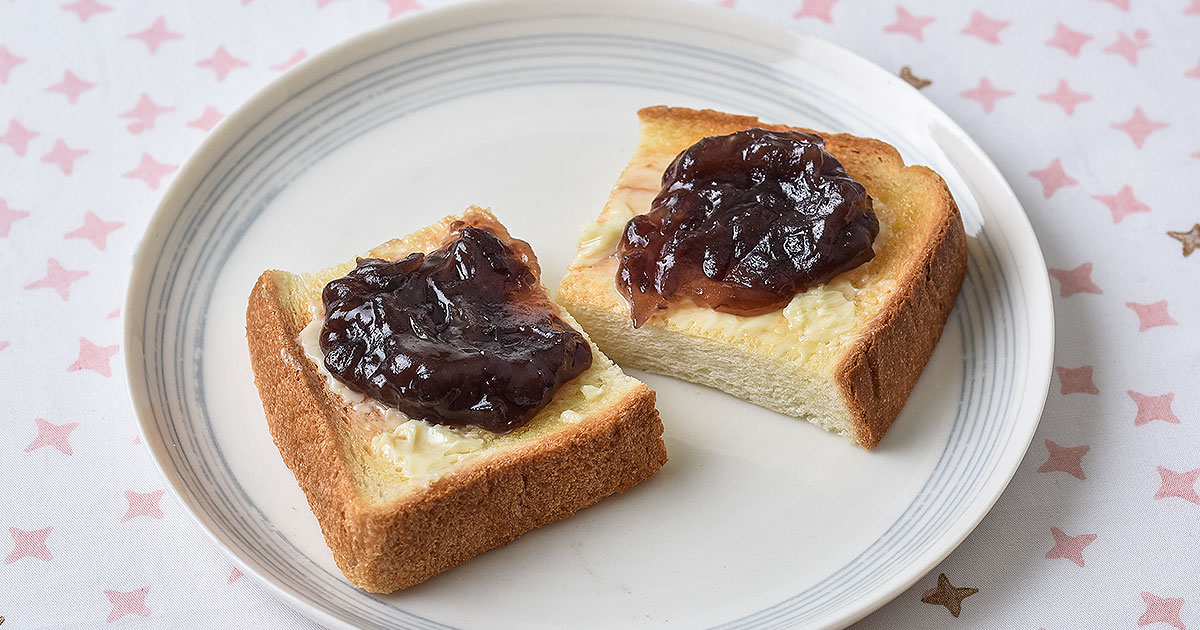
x=421 y=452
x=814 y=322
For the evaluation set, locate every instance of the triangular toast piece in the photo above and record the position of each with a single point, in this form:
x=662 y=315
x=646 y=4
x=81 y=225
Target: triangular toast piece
x=400 y=501
x=844 y=355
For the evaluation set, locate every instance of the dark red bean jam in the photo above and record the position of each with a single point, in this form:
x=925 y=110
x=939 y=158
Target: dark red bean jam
x=462 y=336
x=743 y=223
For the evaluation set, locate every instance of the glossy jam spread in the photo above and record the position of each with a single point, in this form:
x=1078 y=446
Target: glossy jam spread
x=743 y=223
x=462 y=336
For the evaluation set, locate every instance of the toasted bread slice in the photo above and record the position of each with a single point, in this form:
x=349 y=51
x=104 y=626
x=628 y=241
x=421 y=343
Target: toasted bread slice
x=402 y=500
x=845 y=355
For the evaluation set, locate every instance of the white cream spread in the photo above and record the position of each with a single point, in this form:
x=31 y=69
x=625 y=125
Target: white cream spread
x=822 y=314
x=598 y=239
x=813 y=320
x=423 y=452
x=590 y=391
x=420 y=451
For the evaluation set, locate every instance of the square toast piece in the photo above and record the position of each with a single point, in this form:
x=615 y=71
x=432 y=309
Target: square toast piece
x=844 y=355
x=401 y=500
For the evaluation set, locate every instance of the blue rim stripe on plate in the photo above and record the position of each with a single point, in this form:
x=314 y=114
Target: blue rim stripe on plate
x=210 y=473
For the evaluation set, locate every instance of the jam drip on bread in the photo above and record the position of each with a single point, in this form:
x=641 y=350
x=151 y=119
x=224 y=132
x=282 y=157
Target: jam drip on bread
x=743 y=223
x=461 y=336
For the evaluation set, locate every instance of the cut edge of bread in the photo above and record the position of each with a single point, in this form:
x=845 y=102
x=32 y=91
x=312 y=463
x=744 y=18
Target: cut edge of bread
x=383 y=544
x=856 y=390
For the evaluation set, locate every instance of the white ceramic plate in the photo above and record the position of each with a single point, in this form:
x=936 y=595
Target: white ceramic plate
x=758 y=520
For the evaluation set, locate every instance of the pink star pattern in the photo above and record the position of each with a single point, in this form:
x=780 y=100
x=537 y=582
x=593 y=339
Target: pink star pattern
x=1122 y=204
x=63 y=157
x=1076 y=380
x=155 y=35
x=9 y=216
x=296 y=58
x=908 y=24
x=1052 y=178
x=144 y=114
x=150 y=171
x=985 y=28
x=396 y=8
x=819 y=9
x=1077 y=280
x=131 y=603
x=95 y=230
x=1065 y=97
x=222 y=63
x=50 y=434
x=1129 y=48
x=1162 y=610
x=207 y=119
x=143 y=504
x=51 y=97
x=71 y=86
x=18 y=137
x=1065 y=459
x=1069 y=547
x=986 y=94
x=1151 y=408
x=1194 y=73
x=29 y=544
x=8 y=61
x=1068 y=40
x=85 y=9
x=1181 y=485
x=58 y=278
x=1152 y=315
x=1139 y=127
x=94 y=358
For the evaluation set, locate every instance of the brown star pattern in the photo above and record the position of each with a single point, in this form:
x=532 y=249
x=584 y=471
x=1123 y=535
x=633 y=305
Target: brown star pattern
x=906 y=73
x=948 y=595
x=1190 y=239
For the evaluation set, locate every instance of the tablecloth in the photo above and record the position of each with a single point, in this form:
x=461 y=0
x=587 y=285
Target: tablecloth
x=1089 y=107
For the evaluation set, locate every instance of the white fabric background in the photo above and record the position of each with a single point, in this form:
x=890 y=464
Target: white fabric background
x=1146 y=529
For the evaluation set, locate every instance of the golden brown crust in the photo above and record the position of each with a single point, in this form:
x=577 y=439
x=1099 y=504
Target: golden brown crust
x=501 y=498
x=384 y=547
x=713 y=122
x=302 y=418
x=880 y=371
